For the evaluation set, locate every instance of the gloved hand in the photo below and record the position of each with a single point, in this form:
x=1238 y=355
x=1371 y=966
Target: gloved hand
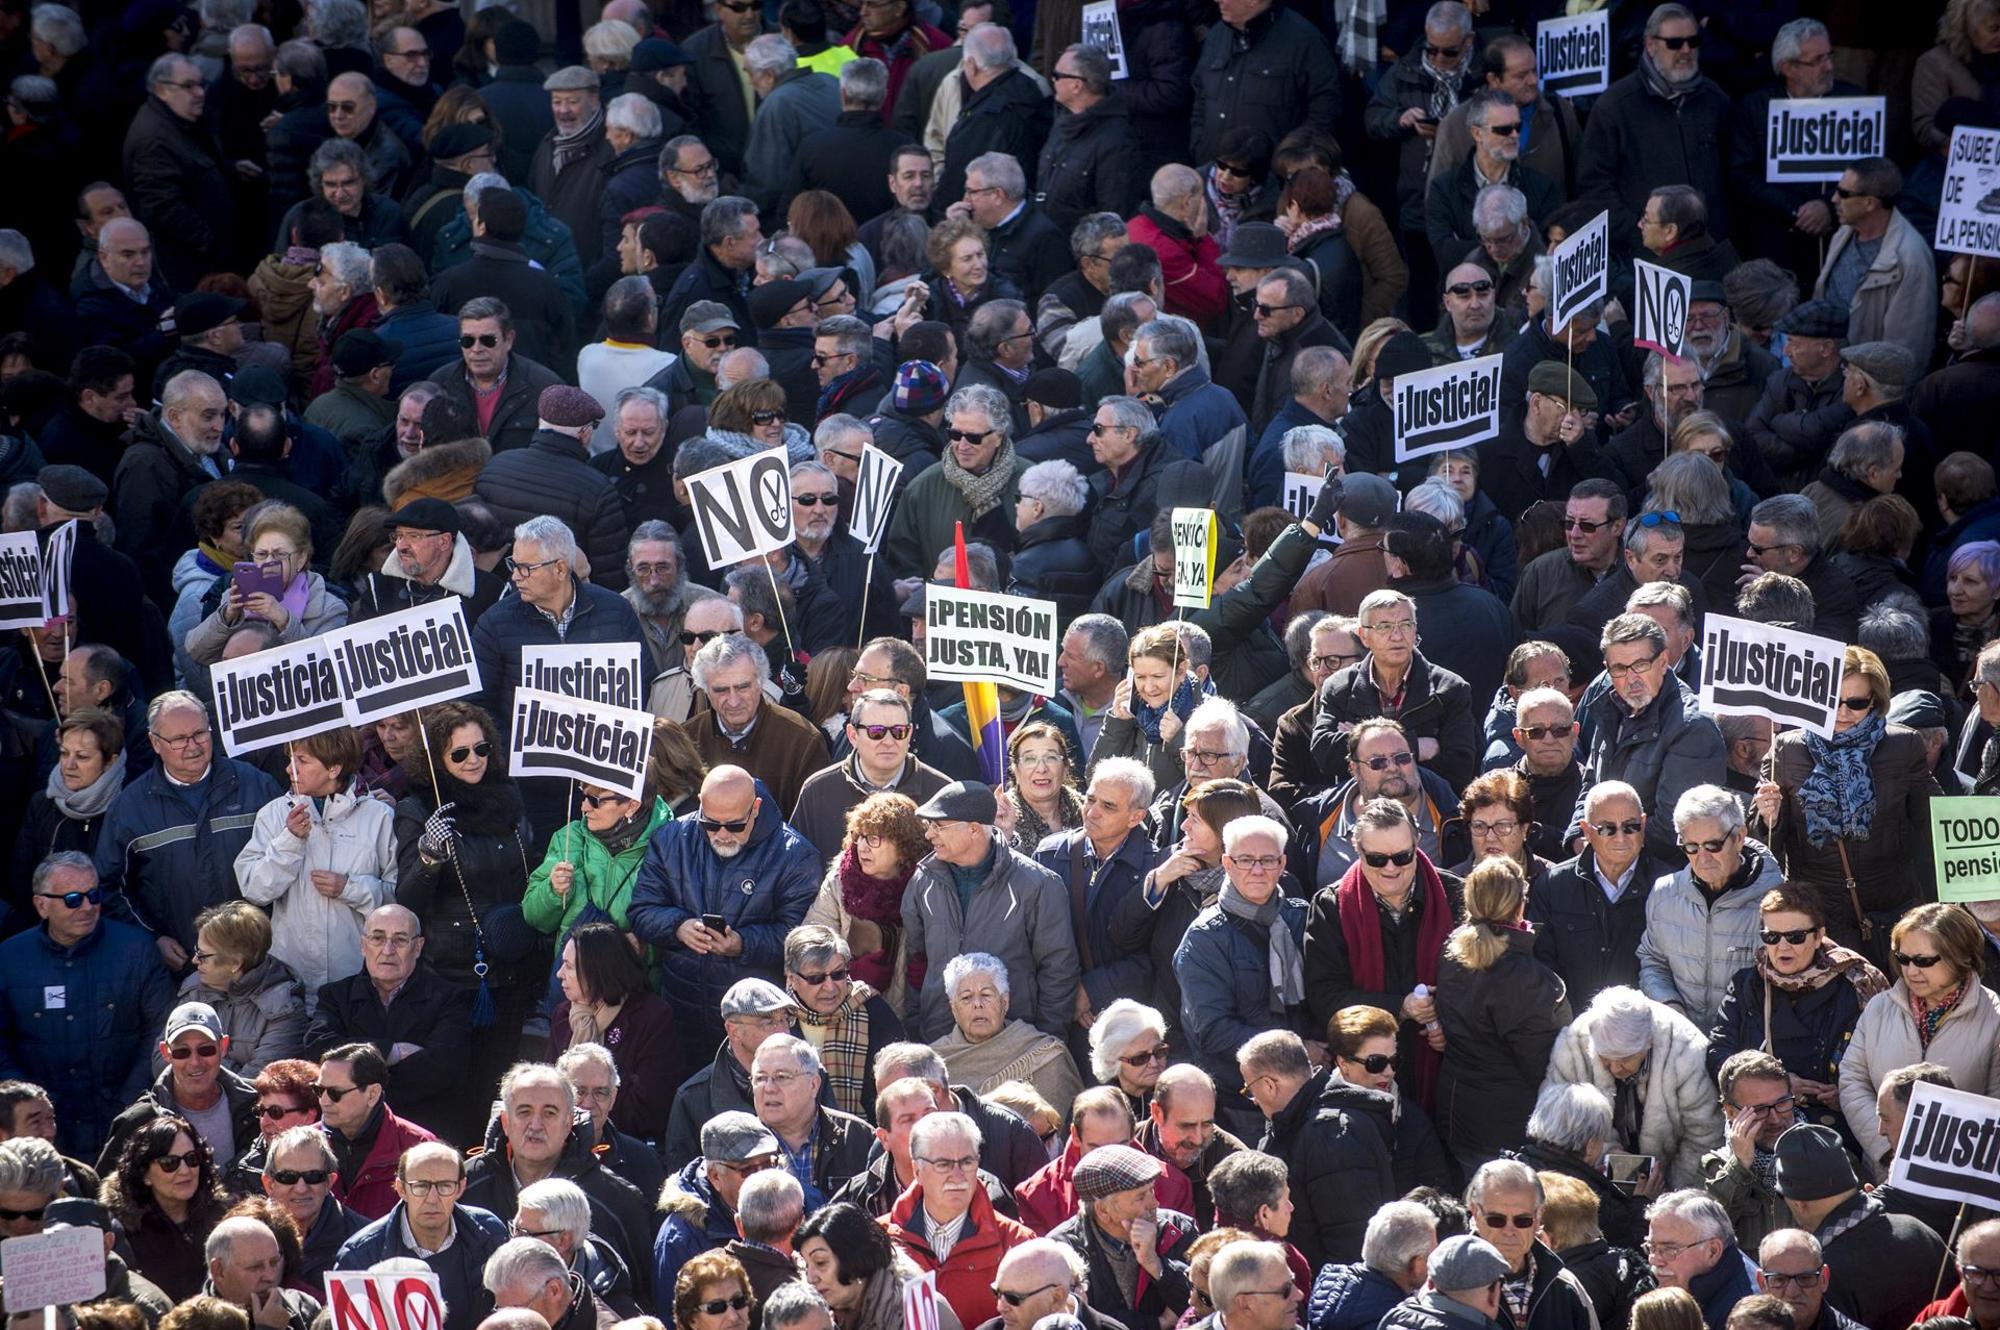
x=438 y=831
x=1324 y=506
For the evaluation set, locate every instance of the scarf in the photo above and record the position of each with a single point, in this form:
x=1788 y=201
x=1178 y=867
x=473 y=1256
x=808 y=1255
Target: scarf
x=1929 y=1016
x=1186 y=697
x=1659 y=85
x=568 y=147
x=1832 y=961
x=981 y=493
x=1030 y=829
x=587 y=1023
x=1228 y=209
x=1288 y=966
x=623 y=834
x=1443 y=98
x=844 y=386
x=90 y=801
x=1361 y=926
x=1312 y=229
x=1360 y=35
x=295 y=598
x=843 y=1046
x=1838 y=794
x=490 y=808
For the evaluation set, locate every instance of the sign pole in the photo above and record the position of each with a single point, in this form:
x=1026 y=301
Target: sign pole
x=861 y=628
x=1965 y=296
x=1951 y=1241
x=778 y=599
x=571 y=823
x=430 y=758
x=35 y=639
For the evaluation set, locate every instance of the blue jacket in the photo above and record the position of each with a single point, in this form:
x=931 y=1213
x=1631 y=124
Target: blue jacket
x=1225 y=977
x=696 y=1221
x=763 y=893
x=170 y=851
x=82 y=1022
x=1199 y=413
x=428 y=342
x=460 y=1268
x=547 y=240
x=1350 y=1297
x=512 y=623
x=1108 y=974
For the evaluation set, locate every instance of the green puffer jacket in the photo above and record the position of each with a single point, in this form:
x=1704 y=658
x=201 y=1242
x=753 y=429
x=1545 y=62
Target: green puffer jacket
x=602 y=879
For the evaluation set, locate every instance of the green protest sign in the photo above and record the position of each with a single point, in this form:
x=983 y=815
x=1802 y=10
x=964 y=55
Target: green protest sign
x=1965 y=835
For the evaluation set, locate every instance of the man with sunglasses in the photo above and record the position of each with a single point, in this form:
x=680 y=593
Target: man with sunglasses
x=1468 y=329
x=366 y=1135
x=299 y=1175
x=497 y=386
x=1784 y=537
x=218 y=1103
x=1495 y=123
x=1537 y=1292
x=1591 y=911
x=1652 y=547
x=430 y=1224
x=879 y=733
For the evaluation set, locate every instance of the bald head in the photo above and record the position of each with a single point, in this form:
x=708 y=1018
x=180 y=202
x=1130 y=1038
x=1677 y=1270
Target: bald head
x=395 y=918
x=1036 y=1262
x=351 y=85
x=1172 y=184
x=120 y=231
x=727 y=782
x=1982 y=322
x=515 y=1318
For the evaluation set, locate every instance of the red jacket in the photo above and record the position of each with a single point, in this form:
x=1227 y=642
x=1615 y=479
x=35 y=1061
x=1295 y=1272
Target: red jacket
x=1952 y=1304
x=370 y=1192
x=1196 y=288
x=1047 y=1196
x=965 y=1278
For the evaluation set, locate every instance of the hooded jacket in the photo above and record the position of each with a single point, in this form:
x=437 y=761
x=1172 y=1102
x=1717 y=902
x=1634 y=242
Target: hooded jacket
x=1663 y=752
x=1338 y=1140
x=445 y=471
x=965 y=1277
x=553 y=476
x=546 y=239
x=352 y=834
x=696 y=1221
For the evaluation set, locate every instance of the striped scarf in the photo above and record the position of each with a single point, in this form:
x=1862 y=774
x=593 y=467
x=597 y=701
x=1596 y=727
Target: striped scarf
x=843 y=1047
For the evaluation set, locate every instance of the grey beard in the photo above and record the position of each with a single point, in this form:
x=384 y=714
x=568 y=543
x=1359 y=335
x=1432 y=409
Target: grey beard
x=661 y=604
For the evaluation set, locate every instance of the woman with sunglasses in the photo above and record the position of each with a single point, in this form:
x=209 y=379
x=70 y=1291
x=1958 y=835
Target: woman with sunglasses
x=861 y=897
x=712 y=1292
x=286 y=1098
x=1799 y=1002
x=1129 y=1049
x=749 y=417
x=1501 y=1010
x=841 y=1016
x=591 y=863
x=851 y=1261
x=462 y=852
x=1848 y=818
x=1041 y=790
x=1361 y=1040
x=260 y=1001
x=165 y=1193
x=1936 y=1011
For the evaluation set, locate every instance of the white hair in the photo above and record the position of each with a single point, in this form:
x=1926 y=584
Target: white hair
x=1536 y=698
x=933 y=1125
x=1306 y=448
x=989 y=48
x=1708 y=801
x=968 y=963
x=1434 y=498
x=636 y=114
x=1696 y=1208
x=550 y=534
x=1604 y=789
x=521 y=1264
x=559 y=1201
x=771 y=1205
x=1570 y=1116
x=349 y=263
x=1397 y=1234
x=1252 y=824
x=1221 y=713
x=722 y=652
x=802 y=1052
x=1621 y=1022
x=1502 y=1175
x=1117 y=1026
x=1134 y=775
x=1055 y=484
x=770 y=54
x=16 y=252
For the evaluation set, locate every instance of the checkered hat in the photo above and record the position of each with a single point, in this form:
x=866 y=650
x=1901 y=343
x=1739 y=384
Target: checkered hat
x=1110 y=1169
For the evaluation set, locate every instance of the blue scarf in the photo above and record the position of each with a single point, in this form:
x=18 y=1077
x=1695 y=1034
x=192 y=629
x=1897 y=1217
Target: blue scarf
x=1838 y=794
x=1182 y=704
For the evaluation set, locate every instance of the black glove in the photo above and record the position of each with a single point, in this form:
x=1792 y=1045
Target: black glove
x=1323 y=507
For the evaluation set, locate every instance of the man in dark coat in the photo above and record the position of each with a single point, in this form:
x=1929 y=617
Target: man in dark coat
x=1004 y=111
x=1783 y=221
x=1547 y=451
x=1270 y=71
x=544 y=328
x=631 y=177
x=1591 y=910
x=125 y=304
x=1289 y=319
x=552 y=476
x=853 y=157
x=172 y=454
x=1335 y=1138
x=88 y=429
x=515 y=99
x=567 y=173
x=1962 y=397
x=1090 y=162
x=723 y=268
x=488 y=361
x=1140 y=466
x=175 y=175
x=1495 y=159
x=1885 y=1266
x=718 y=90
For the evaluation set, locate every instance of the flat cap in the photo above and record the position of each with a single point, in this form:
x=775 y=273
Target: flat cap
x=568 y=407
x=572 y=78
x=705 y=316
x=774 y=300
x=1466 y=1262
x=736 y=1136
x=200 y=311
x=961 y=801
x=457 y=140
x=193 y=1016
x=1919 y=710
x=1812 y=1164
x=1056 y=388
x=754 y=997
x=1890 y=364
x=257 y=386
x=1367 y=500
x=72 y=488
x=657 y=53
x=1552 y=378
x=360 y=350
x=1255 y=245
x=1814 y=318
x=920 y=388
x=819 y=281
x=1110 y=1169
x=425 y=514
x=1403 y=353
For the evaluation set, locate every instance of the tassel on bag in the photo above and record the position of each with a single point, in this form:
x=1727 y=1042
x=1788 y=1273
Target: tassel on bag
x=483 y=1010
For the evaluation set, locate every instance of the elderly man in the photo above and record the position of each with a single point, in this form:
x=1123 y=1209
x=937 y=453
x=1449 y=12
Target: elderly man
x=1733 y=368
x=1653 y=118
x=415 y=1019
x=1792 y=1268
x=821 y=543
x=1000 y=350
x=1092 y=662
x=1009 y=1148
x=430 y=1224
x=1005 y=111
x=1395 y=1262
x=1651 y=553
x=1443 y=731
x=1321 y=384
x=32 y=1175
x=735 y=721
x=556 y=1211
x=1508 y=246
x=1550 y=129
x=1143 y=472
x=1786 y=222
x=244 y=1270
x=723 y=266
x=1784 y=537
x=1674 y=391
x=853 y=154
x=170 y=840
x=1549 y=449
x=1878 y=267
x=366 y=1136
x=1545 y=734
x=1977 y=1297
x=299 y=1175
x=1288 y=315
x=708 y=332
x=176 y=175
x=1884 y=1265
x=1180 y=1129
x=700 y=1201
x=1465 y=1284
x=980 y=490
x=196 y=1085
x=495 y=385
x=1426 y=83
x=351 y=112
x=1109 y=857
x=570 y=162
x=1690 y=1245
x=820 y=1146
x=768 y=1214
x=529 y=1274
x=1119 y=1219
x=1801 y=412
x=1590 y=912
x=946 y=1223
x=1758 y=1106
x=1090 y=162
x=691 y=880
x=1876 y=378
x=1495 y=123
x=1013 y=906
x=1038 y=1278
x=878 y=732
x=210 y=332
x=752 y=1011
x=1501 y=1195
x=792 y=100
x=1866 y=461
x=551 y=479
x=594 y=1077
x=173 y=453
x=673 y=694
x=429 y=561
x=639 y=463
x=657 y=585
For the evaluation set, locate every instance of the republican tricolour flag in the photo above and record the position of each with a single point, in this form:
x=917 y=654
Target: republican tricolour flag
x=982 y=700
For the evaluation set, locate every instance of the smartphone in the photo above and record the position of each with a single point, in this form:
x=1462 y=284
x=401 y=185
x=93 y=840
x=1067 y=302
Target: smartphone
x=250 y=578
x=1628 y=1171
x=715 y=923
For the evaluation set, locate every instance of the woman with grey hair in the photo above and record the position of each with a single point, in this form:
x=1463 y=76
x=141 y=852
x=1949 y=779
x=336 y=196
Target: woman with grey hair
x=1569 y=1133
x=842 y=1017
x=1128 y=1048
x=1050 y=559
x=1714 y=506
x=986 y=1048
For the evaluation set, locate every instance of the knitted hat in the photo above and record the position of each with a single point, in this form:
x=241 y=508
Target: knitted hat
x=1812 y=1164
x=920 y=388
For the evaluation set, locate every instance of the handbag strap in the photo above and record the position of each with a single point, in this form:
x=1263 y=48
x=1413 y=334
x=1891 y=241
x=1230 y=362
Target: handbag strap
x=1861 y=919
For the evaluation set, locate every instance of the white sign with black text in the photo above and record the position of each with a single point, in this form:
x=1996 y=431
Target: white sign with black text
x=1300 y=493
x=21 y=604
x=1660 y=301
x=743 y=508
x=1950 y=1147
x=286 y=692
x=52 y=1269
x=1969 y=209
x=56 y=562
x=1573 y=55
x=980 y=637
x=1815 y=139
x=412 y=658
x=1451 y=406
x=874 y=489
x=1580 y=270
x=554 y=735
x=1752 y=669
x=1100 y=29
x=607 y=672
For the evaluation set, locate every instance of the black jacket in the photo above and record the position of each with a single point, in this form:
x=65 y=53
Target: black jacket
x=544 y=326
x=551 y=476
x=1437 y=704
x=1011 y=115
x=1621 y=1216
x=1052 y=562
x=1448 y=207
x=572 y=193
x=377 y=594
x=1090 y=164
x=1500 y=1024
x=715 y=95
x=1888 y=1263
x=1469 y=630
x=850 y=159
x=1598 y=365
x=1808 y=1031
x=646 y=491
x=151 y=494
x=1405 y=86
x=430 y=1012
x=706 y=279
x=514 y=417
x=321 y=1243
x=1590 y=942
x=1159 y=81
x=158 y=1101
x=844 y=568
x=1274 y=376
x=628 y=180
x=1637 y=141
x=1337 y=1141
x=180 y=188
x=618 y=1213
x=1274 y=76
x=520 y=111
x=1122 y=508
x=1064 y=436
x=1031 y=251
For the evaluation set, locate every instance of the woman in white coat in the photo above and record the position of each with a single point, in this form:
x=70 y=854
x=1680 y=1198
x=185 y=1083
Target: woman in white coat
x=321 y=857
x=1936 y=1011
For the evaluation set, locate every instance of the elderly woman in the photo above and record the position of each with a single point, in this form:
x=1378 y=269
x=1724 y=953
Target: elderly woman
x=259 y=999
x=1253 y=1192
x=607 y=999
x=1799 y=1001
x=850 y=1261
x=1849 y=817
x=1970 y=617
x=1498 y=810
x=320 y=858
x=1650 y=1062
x=1500 y=1008
x=960 y=277
x=1569 y=1133
x=1160 y=691
x=340 y=174
x=1936 y=1011
x=1962 y=66
x=1874 y=547
x=861 y=898
x=1613 y=1274
x=841 y=1016
x=1693 y=482
x=607 y=49
x=165 y=1194
x=1040 y=785
x=712 y=1292
x=590 y=866
x=1361 y=1044
x=1050 y=559
x=1701 y=920
x=1129 y=1049
x=295 y=601
x=68 y=813
x=749 y=417
x=985 y=1048
x=1489 y=534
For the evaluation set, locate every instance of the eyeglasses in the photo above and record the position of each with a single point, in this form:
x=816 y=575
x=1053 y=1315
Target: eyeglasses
x=737 y=1302
x=880 y=732
x=516 y=566
x=15 y=1215
x=343 y=108
x=333 y=1094
x=182 y=741
x=867 y=680
x=1810 y=1279
x=824 y=977
x=599 y=800
x=272 y=1112
x=1332 y=660
x=1588 y=528
x=767 y=417
x=1481 y=830
x=1013 y=1299
x=291 y=1177
x=1691 y=847
x=1382 y=761
x=1157 y=1053
x=1629 y=827
x=470 y=340
x=1771 y=937
x=1398 y=628
x=1916 y=962
x=1659 y=519
x=732 y=827
x=1464 y=289
x=1676 y=43
x=1861 y=703
x=1759 y=551
x=826 y=357
x=1979 y=1274
x=202 y=1051
x=1039 y=761
x=1284 y=1290
x=1265 y=311
x=963 y=1164
x=198 y=956
x=172 y=1163
x=543 y=1233
x=1507 y=130
x=388 y=941
x=73 y=900
x=966 y=436
x=480 y=749
x=1375 y=1063
x=1502 y=1221
x=1537 y=733
x=689 y=639
x=1401 y=858
x=746 y=1167
x=1667 y=1251
x=1626 y=671
x=1775 y=1108
x=445 y=1188
x=815 y=500
x=1097 y=428
x=702 y=168
x=1256 y=863
x=416 y=53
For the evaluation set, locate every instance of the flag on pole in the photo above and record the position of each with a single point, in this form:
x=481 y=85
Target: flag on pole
x=982 y=700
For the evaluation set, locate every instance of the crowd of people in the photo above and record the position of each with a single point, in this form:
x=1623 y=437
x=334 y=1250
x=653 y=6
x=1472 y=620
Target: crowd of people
x=1392 y=941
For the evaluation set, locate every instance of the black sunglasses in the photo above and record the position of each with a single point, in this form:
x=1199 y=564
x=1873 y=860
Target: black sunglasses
x=291 y=1177
x=1376 y=1063
x=966 y=435
x=599 y=800
x=1509 y=130
x=14 y=1215
x=333 y=1094
x=481 y=749
x=766 y=417
x=74 y=900
x=717 y=1306
x=1676 y=43
x=1401 y=858
x=1541 y=732
x=1464 y=289
x=1381 y=762
x=710 y=824
x=193 y=1050
x=1501 y=1221
x=1917 y=962
x=1688 y=848
x=275 y=1111
x=1013 y=1299
x=470 y=340
x=877 y=732
x=1856 y=703
x=688 y=639
x=815 y=500
x=1796 y=936
x=1629 y=827
x=172 y=1163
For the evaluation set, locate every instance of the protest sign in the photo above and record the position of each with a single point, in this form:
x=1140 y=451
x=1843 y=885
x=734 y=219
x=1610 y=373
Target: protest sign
x=1660 y=300
x=1965 y=844
x=874 y=488
x=980 y=637
x=554 y=735
x=1580 y=270
x=21 y=581
x=1950 y=1147
x=1452 y=406
x=52 y=1269
x=1300 y=493
x=1194 y=557
x=607 y=672
x=1573 y=55
x=1751 y=669
x=286 y=692
x=412 y=658
x=1100 y=29
x=356 y=1300
x=743 y=508
x=56 y=561
x=1818 y=138
x=1969 y=209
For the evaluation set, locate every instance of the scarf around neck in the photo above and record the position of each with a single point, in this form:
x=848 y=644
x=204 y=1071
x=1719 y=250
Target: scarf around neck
x=568 y=147
x=1832 y=961
x=843 y=1044
x=1312 y=229
x=1838 y=794
x=1659 y=84
x=1360 y=924
x=90 y=801
x=1287 y=963
x=1930 y=1015
x=1187 y=695
x=982 y=492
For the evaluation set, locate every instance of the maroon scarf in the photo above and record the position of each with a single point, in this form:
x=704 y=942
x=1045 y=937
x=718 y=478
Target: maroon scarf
x=1361 y=926
x=879 y=900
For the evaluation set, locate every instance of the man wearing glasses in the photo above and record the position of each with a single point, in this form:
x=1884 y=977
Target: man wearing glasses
x=1690 y=1245
x=1553 y=584
x=1758 y=1107
x=699 y=1202
x=220 y=1104
x=299 y=1175
x=1977 y=1297
x=879 y=732
x=1506 y=1200
x=946 y=1223
x=1494 y=159
x=1792 y=1269
x=429 y=1224
x=1591 y=911
x=366 y=1135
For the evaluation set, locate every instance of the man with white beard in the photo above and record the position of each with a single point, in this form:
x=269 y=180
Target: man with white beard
x=822 y=541
x=659 y=591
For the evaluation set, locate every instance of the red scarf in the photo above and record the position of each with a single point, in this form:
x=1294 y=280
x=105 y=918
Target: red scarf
x=1361 y=926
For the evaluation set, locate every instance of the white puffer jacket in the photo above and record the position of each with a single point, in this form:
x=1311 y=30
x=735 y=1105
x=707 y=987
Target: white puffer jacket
x=1885 y=1038
x=319 y=937
x=1680 y=1120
